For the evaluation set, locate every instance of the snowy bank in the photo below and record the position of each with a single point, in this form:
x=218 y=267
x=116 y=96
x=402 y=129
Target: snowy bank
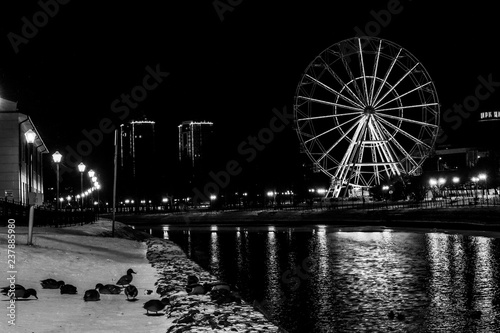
x=79 y=257
x=207 y=312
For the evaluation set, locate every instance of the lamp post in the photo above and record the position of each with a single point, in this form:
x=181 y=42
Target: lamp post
x=98 y=187
x=56 y=157
x=385 y=188
x=30 y=138
x=483 y=176
x=475 y=180
x=81 y=168
x=91 y=174
x=456 y=180
x=212 y=199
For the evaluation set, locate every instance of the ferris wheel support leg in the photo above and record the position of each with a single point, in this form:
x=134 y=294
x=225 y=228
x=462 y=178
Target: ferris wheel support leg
x=335 y=188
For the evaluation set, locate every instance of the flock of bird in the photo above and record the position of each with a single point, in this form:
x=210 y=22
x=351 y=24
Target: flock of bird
x=124 y=283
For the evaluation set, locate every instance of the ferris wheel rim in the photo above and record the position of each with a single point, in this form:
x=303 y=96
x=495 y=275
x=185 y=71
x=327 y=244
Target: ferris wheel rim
x=358 y=97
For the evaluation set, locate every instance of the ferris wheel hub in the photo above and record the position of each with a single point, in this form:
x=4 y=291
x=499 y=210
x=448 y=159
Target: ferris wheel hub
x=369 y=110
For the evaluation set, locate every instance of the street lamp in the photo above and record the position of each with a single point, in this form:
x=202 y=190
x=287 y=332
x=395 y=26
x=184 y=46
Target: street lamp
x=56 y=157
x=212 y=198
x=91 y=174
x=385 y=188
x=475 y=180
x=30 y=138
x=81 y=168
x=455 y=181
x=483 y=176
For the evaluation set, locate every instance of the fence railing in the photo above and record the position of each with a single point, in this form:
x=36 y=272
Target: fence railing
x=44 y=216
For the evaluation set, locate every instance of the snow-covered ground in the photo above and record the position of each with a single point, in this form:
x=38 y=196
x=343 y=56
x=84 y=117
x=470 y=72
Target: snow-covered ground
x=81 y=256
x=78 y=257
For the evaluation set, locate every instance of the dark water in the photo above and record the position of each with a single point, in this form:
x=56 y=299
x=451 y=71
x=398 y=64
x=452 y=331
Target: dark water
x=325 y=280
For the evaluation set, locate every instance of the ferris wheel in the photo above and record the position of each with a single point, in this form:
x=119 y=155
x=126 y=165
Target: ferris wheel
x=366 y=110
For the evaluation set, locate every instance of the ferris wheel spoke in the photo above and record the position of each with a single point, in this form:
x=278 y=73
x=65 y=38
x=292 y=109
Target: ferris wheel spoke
x=339 y=80
x=375 y=69
x=408 y=135
x=340 y=140
x=353 y=80
x=333 y=128
x=333 y=91
x=394 y=86
x=352 y=151
x=362 y=63
x=407 y=120
x=382 y=149
x=331 y=103
x=407 y=107
x=401 y=149
x=330 y=116
x=389 y=70
x=406 y=93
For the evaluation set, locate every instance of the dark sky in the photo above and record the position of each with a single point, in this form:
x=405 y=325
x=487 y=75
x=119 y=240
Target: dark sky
x=232 y=72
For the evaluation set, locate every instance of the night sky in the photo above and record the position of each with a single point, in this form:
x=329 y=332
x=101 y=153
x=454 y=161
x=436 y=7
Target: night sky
x=232 y=71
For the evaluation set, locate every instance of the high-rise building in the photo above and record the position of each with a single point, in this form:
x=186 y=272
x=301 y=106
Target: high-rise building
x=137 y=161
x=193 y=138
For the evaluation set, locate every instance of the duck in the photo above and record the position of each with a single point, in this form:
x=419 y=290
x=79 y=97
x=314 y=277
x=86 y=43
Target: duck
x=131 y=291
x=68 y=289
x=192 y=279
x=51 y=284
x=156 y=305
x=195 y=289
x=220 y=285
x=91 y=295
x=108 y=289
x=126 y=279
x=5 y=290
x=24 y=293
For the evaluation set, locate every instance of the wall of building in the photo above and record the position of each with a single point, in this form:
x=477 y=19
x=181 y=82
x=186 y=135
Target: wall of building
x=9 y=157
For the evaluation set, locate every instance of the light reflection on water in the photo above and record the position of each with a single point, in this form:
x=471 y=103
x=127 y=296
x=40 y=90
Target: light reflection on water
x=321 y=280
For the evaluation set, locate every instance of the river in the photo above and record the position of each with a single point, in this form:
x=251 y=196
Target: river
x=326 y=279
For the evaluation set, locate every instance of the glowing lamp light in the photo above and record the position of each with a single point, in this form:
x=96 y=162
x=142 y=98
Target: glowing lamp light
x=456 y=180
x=385 y=187
x=91 y=173
x=321 y=191
x=56 y=157
x=30 y=136
x=81 y=167
x=482 y=176
x=475 y=179
x=432 y=182
x=164 y=200
x=213 y=197
x=441 y=181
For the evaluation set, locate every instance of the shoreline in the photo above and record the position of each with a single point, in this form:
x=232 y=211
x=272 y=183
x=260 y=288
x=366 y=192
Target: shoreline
x=482 y=219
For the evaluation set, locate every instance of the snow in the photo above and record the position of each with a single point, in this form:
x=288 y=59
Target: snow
x=79 y=257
